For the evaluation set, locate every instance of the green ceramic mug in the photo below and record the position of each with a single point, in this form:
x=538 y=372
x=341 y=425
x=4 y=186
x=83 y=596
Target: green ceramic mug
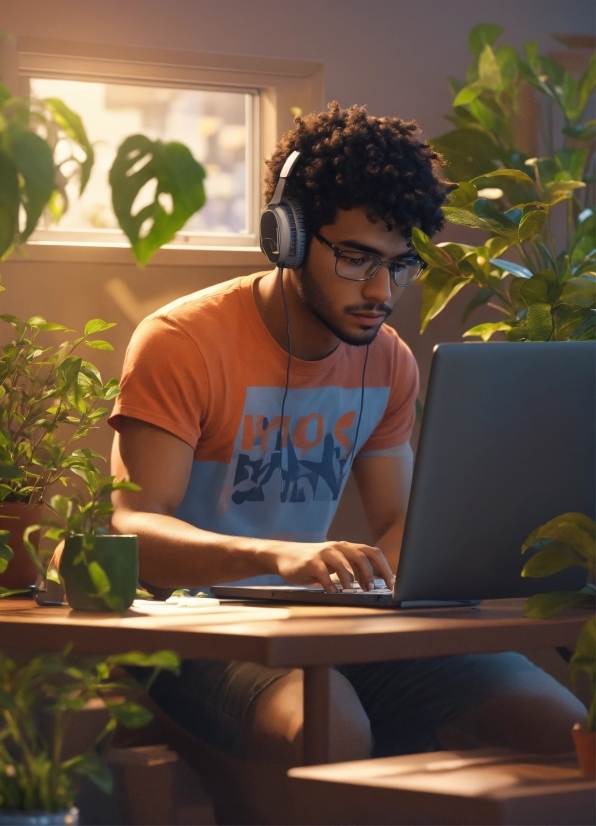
x=113 y=559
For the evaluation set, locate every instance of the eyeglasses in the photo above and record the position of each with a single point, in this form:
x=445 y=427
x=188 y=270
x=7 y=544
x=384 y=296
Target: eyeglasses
x=362 y=266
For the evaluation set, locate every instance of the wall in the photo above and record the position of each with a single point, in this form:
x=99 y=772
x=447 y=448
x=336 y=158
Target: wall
x=393 y=55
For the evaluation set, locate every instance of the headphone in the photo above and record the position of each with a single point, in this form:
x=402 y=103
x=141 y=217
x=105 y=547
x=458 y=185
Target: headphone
x=283 y=235
x=283 y=239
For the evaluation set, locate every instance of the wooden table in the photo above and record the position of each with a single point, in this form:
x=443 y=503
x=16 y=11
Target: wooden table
x=489 y=786
x=309 y=637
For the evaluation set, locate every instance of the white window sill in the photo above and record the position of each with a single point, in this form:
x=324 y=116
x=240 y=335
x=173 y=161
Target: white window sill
x=170 y=255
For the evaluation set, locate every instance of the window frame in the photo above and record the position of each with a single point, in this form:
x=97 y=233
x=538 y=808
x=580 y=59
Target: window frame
x=277 y=86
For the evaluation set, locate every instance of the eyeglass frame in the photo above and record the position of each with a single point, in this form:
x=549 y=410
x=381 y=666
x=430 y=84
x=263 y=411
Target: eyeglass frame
x=337 y=252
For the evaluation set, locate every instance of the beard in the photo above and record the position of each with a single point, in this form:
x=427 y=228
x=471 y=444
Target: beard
x=321 y=307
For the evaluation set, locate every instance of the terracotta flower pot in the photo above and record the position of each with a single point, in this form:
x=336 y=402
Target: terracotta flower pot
x=585 y=748
x=118 y=557
x=21 y=572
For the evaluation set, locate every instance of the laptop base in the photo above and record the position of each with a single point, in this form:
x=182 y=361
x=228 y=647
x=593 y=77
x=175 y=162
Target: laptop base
x=379 y=598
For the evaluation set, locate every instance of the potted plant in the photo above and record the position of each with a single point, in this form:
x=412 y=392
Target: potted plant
x=49 y=399
x=548 y=291
x=569 y=540
x=32 y=179
x=38 y=700
x=99 y=570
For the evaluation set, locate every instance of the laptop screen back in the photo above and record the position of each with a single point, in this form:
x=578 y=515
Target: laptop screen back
x=507 y=443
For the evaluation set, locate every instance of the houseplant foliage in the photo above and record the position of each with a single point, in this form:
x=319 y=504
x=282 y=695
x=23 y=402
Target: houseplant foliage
x=36 y=701
x=549 y=291
x=31 y=178
x=566 y=541
x=50 y=397
x=100 y=571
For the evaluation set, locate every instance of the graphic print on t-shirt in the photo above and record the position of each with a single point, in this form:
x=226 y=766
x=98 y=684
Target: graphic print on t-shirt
x=317 y=443
x=265 y=479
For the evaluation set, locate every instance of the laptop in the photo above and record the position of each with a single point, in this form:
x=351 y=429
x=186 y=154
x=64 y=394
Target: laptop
x=507 y=443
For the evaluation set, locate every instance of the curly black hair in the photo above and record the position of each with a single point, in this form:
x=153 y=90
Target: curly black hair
x=350 y=159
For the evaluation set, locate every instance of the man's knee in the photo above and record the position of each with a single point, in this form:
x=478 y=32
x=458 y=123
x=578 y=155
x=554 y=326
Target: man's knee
x=537 y=716
x=274 y=724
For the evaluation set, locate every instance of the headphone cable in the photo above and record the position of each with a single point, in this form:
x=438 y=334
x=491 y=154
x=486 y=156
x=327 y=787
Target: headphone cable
x=283 y=403
x=348 y=464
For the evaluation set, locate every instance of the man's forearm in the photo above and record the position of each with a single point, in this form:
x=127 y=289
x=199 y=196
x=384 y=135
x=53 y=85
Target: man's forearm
x=174 y=554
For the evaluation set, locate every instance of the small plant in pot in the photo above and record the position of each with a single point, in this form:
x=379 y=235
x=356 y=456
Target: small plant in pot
x=99 y=570
x=566 y=541
x=39 y=705
x=50 y=397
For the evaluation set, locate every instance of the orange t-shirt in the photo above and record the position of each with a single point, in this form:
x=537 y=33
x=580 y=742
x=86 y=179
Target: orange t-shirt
x=206 y=369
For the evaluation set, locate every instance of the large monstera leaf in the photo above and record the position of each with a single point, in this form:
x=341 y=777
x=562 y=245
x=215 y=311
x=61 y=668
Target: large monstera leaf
x=27 y=180
x=177 y=175
x=35 y=163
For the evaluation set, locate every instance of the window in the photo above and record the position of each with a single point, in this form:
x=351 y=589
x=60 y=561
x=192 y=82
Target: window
x=219 y=128
x=228 y=109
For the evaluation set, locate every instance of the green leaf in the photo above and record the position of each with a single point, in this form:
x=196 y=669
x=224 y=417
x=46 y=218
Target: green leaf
x=9 y=204
x=432 y=254
x=166 y=660
x=575 y=529
x=531 y=224
x=6 y=555
x=468 y=94
x=507 y=61
x=536 y=290
x=100 y=579
x=33 y=158
x=485 y=331
x=586 y=86
x=130 y=714
x=11 y=472
x=94 y=768
x=176 y=173
x=514 y=269
x=469 y=152
x=485 y=116
x=540 y=322
x=124 y=485
x=554 y=557
x=560 y=190
x=72 y=126
x=465 y=195
x=499 y=222
x=97 y=325
x=569 y=320
x=98 y=344
x=31 y=549
x=488 y=70
x=572 y=162
x=584 y=658
x=514 y=174
x=482 y=35
x=579 y=291
x=467 y=218
x=439 y=287
x=541 y=606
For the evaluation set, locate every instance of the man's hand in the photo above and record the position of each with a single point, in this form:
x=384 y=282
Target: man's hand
x=313 y=563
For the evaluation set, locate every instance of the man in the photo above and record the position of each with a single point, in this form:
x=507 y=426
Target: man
x=242 y=454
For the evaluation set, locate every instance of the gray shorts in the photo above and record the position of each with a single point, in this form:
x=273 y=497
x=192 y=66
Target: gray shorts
x=405 y=700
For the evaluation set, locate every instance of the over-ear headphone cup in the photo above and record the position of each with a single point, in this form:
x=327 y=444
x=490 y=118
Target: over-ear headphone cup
x=298 y=239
